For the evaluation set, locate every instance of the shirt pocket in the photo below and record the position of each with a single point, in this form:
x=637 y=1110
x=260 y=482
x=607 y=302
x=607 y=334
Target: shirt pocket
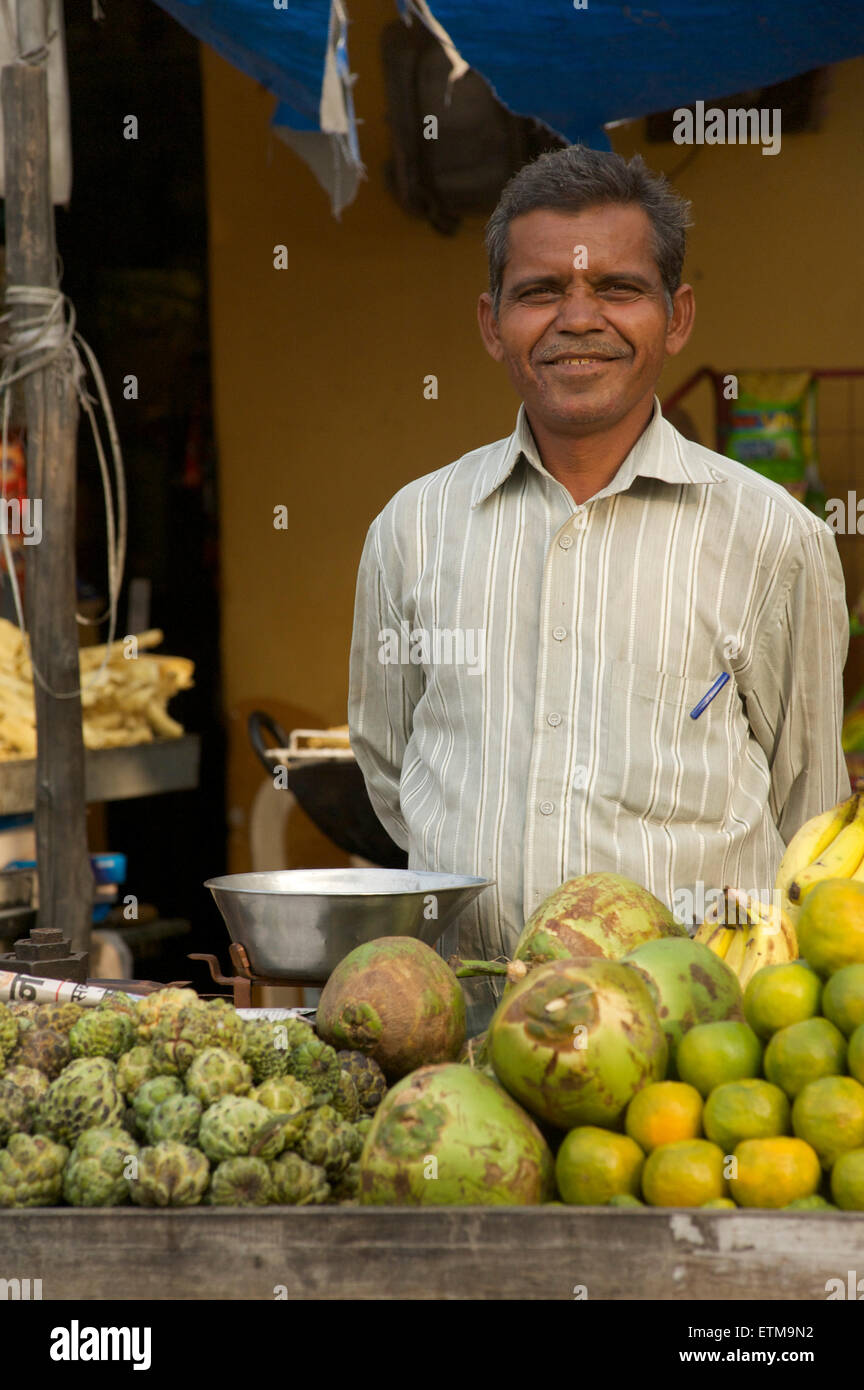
x=659 y=763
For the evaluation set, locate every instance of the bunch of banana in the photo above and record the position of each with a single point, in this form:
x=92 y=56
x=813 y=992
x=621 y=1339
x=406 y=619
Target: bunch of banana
x=828 y=846
x=747 y=934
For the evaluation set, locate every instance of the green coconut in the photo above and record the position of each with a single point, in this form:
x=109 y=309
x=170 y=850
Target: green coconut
x=397 y=1001
x=602 y=915
x=449 y=1136
x=689 y=984
x=575 y=1041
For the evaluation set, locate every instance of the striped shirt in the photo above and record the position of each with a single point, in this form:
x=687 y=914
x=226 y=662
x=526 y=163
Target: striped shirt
x=523 y=670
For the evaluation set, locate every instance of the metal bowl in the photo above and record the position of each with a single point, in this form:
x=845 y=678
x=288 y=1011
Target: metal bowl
x=298 y=924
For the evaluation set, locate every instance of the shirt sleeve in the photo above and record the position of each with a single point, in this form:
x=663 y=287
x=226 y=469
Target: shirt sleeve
x=795 y=706
x=383 y=691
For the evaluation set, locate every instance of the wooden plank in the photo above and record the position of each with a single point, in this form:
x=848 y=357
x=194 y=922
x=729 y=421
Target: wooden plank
x=466 y=1253
x=113 y=774
x=51 y=409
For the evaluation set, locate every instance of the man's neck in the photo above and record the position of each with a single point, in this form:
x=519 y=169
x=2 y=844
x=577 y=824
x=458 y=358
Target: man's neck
x=588 y=464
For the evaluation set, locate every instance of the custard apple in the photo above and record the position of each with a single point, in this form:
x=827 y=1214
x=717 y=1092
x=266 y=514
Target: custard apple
x=152 y=1093
x=8 y=1033
x=177 y=1118
x=31 y=1171
x=215 y=1073
x=363 y=1126
x=291 y=1099
x=84 y=1097
x=329 y=1142
x=236 y=1126
x=102 y=1033
x=345 y=1101
x=98 y=1173
x=346 y=1188
x=368 y=1078
x=44 y=1049
x=16 y=1110
x=170 y=1175
x=23 y=1010
x=60 y=1017
x=297 y=1183
x=316 y=1063
x=182 y=1037
x=134 y=1068
x=34 y=1083
x=116 y=1002
x=266 y=1047
x=241 y=1182
x=163 y=1004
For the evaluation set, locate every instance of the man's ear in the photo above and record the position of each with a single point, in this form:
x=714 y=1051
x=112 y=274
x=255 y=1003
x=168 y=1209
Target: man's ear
x=489 y=327
x=681 y=320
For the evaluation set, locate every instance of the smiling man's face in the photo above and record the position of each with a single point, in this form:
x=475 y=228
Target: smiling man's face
x=607 y=314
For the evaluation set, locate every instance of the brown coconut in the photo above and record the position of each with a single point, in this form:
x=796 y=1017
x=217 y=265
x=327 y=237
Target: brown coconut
x=395 y=1000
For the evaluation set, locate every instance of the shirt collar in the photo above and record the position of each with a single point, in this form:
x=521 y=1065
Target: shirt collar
x=659 y=452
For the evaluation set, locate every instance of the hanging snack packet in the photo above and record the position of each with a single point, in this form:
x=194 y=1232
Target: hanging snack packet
x=771 y=427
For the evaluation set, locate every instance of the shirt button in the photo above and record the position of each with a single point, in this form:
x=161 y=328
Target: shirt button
x=554 y=720
x=546 y=808
x=565 y=542
x=580 y=777
x=579 y=521
x=559 y=633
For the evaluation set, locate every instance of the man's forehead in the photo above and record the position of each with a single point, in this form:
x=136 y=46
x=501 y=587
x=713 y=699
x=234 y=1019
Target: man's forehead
x=611 y=227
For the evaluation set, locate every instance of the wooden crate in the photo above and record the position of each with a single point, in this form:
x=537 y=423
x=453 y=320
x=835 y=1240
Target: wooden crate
x=445 y=1253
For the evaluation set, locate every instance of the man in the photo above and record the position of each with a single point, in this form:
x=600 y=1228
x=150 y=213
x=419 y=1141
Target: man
x=592 y=576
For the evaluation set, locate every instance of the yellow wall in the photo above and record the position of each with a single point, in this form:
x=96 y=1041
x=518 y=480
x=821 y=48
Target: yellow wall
x=318 y=370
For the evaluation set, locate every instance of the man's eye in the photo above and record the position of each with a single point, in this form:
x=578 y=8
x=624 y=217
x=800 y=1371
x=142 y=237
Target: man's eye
x=620 y=287
x=538 y=289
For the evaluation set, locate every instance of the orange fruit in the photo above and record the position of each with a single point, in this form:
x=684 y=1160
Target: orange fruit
x=773 y=1172
x=843 y=998
x=625 y=1199
x=712 y=1053
x=831 y=925
x=847 y=1181
x=663 y=1112
x=595 y=1164
x=778 y=995
x=686 y=1173
x=746 y=1109
x=855 y=1055
x=829 y=1115
x=720 y=1204
x=814 y=1203
x=803 y=1052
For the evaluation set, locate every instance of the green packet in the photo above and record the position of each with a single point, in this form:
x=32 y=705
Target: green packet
x=770 y=426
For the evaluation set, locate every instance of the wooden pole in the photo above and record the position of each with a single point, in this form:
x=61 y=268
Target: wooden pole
x=51 y=411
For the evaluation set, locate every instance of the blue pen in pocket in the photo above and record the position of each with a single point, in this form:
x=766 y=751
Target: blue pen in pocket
x=709 y=695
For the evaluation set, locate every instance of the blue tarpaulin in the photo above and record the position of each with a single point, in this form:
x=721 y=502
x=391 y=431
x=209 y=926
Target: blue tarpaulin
x=580 y=69
x=577 y=65
x=298 y=51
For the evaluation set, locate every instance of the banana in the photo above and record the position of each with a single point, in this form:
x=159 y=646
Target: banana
x=717 y=938
x=737 y=953
x=813 y=839
x=769 y=942
x=765 y=936
x=839 y=860
x=714 y=933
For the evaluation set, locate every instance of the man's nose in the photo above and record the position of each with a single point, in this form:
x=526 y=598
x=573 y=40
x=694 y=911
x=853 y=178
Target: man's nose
x=580 y=310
